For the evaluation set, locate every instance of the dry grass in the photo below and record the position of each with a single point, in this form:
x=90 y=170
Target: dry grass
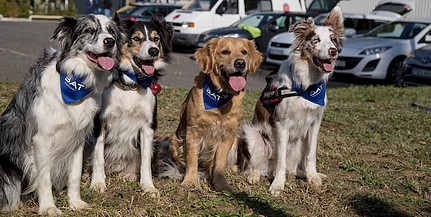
x=373 y=145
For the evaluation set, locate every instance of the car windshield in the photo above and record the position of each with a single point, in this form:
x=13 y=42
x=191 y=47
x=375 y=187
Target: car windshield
x=253 y=20
x=200 y=5
x=398 y=30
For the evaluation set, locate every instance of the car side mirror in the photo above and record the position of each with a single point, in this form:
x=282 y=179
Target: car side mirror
x=349 y=32
x=222 y=8
x=273 y=27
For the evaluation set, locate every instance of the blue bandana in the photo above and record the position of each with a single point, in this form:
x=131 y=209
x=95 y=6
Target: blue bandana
x=314 y=93
x=213 y=98
x=143 y=82
x=73 y=88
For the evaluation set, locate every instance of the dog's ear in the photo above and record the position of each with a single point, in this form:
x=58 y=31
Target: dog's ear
x=166 y=31
x=255 y=56
x=121 y=30
x=302 y=29
x=203 y=55
x=63 y=32
x=335 y=20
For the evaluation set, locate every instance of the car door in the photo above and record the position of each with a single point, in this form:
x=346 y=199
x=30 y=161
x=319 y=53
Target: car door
x=272 y=26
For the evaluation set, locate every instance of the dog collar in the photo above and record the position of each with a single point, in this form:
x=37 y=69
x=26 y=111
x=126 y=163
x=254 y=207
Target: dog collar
x=144 y=82
x=314 y=93
x=213 y=98
x=73 y=88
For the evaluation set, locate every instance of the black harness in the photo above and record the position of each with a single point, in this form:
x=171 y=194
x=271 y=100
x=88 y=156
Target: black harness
x=272 y=95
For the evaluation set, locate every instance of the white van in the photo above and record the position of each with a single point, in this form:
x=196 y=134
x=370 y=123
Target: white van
x=202 y=15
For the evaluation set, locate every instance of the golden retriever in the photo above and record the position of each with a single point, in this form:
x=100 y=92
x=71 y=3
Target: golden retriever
x=212 y=110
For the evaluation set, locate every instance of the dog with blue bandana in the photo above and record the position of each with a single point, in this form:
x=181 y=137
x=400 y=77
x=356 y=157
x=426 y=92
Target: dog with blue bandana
x=212 y=110
x=282 y=137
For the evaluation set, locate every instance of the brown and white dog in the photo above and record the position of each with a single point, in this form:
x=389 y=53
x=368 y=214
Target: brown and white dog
x=283 y=134
x=212 y=110
x=128 y=115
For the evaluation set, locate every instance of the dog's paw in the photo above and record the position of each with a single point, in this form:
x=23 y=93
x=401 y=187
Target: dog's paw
x=315 y=179
x=151 y=191
x=253 y=178
x=129 y=177
x=50 y=211
x=98 y=186
x=78 y=204
x=222 y=186
x=276 y=189
x=190 y=183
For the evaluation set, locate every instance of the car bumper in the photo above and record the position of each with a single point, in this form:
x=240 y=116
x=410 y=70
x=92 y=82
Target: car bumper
x=371 y=66
x=188 y=40
x=277 y=55
x=417 y=75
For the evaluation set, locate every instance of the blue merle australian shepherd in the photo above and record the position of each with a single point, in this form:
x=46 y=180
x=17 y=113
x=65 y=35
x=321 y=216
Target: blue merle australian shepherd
x=44 y=128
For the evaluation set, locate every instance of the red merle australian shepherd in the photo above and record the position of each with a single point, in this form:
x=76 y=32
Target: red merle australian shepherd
x=283 y=134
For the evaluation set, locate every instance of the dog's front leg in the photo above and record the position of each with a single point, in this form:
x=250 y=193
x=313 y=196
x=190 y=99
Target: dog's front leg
x=98 y=177
x=311 y=174
x=146 y=142
x=42 y=146
x=74 y=181
x=281 y=138
x=219 y=181
x=193 y=141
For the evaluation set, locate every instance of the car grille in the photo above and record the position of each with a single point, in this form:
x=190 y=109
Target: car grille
x=277 y=57
x=351 y=62
x=282 y=45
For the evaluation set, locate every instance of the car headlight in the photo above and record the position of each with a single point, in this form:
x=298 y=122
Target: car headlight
x=187 y=24
x=374 y=50
x=234 y=35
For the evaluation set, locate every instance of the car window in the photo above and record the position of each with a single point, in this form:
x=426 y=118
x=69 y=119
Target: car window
x=254 y=20
x=401 y=30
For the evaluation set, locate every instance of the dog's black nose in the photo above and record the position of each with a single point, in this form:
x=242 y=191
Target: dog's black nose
x=239 y=64
x=333 y=51
x=153 y=52
x=109 y=42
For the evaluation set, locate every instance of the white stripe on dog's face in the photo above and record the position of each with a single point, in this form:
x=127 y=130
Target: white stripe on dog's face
x=323 y=42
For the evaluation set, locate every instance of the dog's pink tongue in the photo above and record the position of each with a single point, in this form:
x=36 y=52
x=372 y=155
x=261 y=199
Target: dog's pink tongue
x=328 y=67
x=106 y=63
x=149 y=69
x=237 y=82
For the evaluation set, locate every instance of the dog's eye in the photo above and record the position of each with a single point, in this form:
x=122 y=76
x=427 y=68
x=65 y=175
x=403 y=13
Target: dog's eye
x=156 y=39
x=111 y=31
x=244 y=52
x=316 y=40
x=225 y=52
x=89 y=30
x=136 y=38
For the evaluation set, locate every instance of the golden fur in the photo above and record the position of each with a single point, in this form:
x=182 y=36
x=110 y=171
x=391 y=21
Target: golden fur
x=204 y=137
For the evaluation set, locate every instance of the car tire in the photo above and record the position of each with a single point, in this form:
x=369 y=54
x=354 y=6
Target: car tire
x=394 y=68
x=399 y=77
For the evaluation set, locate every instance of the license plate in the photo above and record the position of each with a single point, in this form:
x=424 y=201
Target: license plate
x=275 y=51
x=340 y=63
x=421 y=72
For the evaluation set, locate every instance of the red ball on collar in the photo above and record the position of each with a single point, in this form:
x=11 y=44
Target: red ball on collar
x=156 y=88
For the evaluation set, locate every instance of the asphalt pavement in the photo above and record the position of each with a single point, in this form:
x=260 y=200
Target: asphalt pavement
x=22 y=43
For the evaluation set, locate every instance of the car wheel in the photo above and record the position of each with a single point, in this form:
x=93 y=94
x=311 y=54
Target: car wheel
x=399 y=77
x=394 y=68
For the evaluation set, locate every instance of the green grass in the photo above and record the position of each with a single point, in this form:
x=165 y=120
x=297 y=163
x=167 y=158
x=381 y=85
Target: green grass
x=373 y=145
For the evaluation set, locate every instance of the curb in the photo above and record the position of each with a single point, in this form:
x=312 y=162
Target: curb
x=31 y=18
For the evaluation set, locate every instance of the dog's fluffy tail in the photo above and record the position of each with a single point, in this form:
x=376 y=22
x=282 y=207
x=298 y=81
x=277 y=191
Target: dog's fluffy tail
x=257 y=141
x=163 y=164
x=10 y=185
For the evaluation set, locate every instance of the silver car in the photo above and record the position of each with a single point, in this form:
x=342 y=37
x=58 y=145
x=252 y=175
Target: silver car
x=380 y=53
